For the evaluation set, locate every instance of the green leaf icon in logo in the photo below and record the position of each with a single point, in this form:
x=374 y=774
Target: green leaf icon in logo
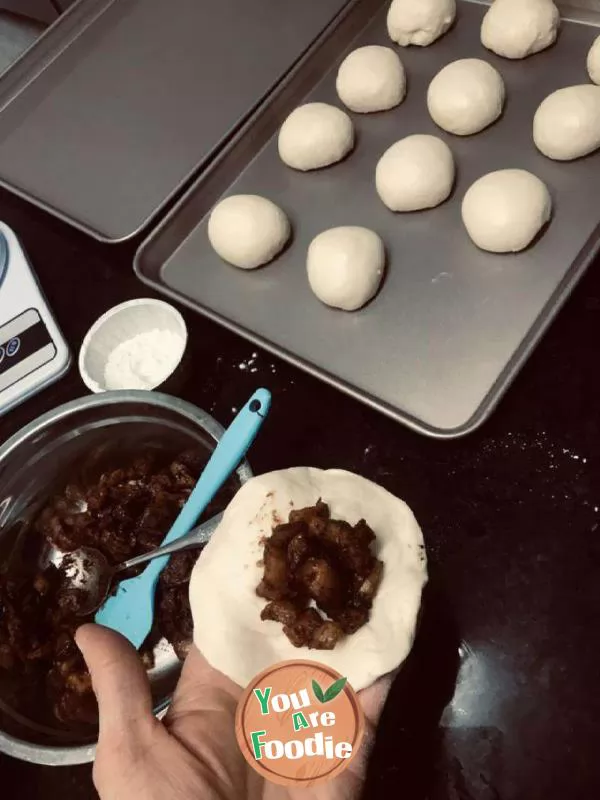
x=318 y=692
x=331 y=693
x=335 y=689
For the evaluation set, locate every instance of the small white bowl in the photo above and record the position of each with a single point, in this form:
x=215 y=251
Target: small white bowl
x=145 y=318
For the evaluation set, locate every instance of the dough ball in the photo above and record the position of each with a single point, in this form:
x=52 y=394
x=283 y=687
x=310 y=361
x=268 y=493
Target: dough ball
x=567 y=123
x=315 y=135
x=415 y=173
x=593 y=61
x=247 y=230
x=519 y=28
x=226 y=610
x=345 y=266
x=420 y=22
x=466 y=96
x=504 y=211
x=371 y=79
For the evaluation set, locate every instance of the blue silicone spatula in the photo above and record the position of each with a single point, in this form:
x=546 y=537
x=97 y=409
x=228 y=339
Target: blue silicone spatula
x=130 y=610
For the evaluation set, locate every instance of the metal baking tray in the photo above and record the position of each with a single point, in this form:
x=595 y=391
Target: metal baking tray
x=452 y=325
x=112 y=110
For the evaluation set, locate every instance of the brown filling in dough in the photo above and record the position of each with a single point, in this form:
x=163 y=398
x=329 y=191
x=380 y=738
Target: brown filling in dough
x=320 y=577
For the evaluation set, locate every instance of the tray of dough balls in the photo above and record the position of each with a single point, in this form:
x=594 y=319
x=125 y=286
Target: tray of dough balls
x=408 y=211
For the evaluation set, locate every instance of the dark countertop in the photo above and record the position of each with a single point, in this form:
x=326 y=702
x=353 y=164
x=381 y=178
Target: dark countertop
x=499 y=699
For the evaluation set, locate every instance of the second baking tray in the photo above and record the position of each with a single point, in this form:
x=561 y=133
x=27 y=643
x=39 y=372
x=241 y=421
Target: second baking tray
x=120 y=102
x=452 y=325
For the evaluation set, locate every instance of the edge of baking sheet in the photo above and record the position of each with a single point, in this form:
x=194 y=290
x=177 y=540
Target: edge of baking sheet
x=50 y=46
x=47 y=48
x=146 y=272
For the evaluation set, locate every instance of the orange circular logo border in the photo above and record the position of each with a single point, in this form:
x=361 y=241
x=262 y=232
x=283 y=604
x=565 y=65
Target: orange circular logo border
x=243 y=734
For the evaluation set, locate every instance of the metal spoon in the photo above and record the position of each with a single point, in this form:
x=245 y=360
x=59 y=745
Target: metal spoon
x=89 y=572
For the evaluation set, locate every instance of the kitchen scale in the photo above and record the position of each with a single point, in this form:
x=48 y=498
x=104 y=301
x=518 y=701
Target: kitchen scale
x=33 y=352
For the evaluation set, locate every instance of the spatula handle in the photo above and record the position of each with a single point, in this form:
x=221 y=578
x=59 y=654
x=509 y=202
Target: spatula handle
x=130 y=610
x=230 y=450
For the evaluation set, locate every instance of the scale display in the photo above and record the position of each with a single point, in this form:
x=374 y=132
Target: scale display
x=33 y=352
x=25 y=346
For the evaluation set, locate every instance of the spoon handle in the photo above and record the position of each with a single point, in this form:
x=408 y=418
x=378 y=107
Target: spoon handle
x=197 y=536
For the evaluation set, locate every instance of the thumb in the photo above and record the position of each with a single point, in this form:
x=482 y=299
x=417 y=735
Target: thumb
x=120 y=684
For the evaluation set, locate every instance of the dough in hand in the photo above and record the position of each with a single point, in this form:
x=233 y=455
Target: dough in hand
x=415 y=173
x=466 y=96
x=420 y=22
x=247 y=230
x=504 y=211
x=567 y=123
x=315 y=135
x=371 y=79
x=593 y=61
x=226 y=610
x=519 y=28
x=345 y=266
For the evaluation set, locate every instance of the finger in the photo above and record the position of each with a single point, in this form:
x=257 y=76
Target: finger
x=374 y=697
x=120 y=684
x=372 y=701
x=348 y=786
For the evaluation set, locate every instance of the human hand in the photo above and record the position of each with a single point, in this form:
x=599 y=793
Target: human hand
x=193 y=753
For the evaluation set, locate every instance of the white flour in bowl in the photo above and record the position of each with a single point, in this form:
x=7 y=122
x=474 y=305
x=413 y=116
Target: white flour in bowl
x=144 y=361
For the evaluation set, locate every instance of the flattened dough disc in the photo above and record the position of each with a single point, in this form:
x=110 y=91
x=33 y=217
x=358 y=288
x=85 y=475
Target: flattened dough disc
x=227 y=624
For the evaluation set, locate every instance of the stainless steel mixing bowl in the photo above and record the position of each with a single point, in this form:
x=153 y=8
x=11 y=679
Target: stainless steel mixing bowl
x=82 y=438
